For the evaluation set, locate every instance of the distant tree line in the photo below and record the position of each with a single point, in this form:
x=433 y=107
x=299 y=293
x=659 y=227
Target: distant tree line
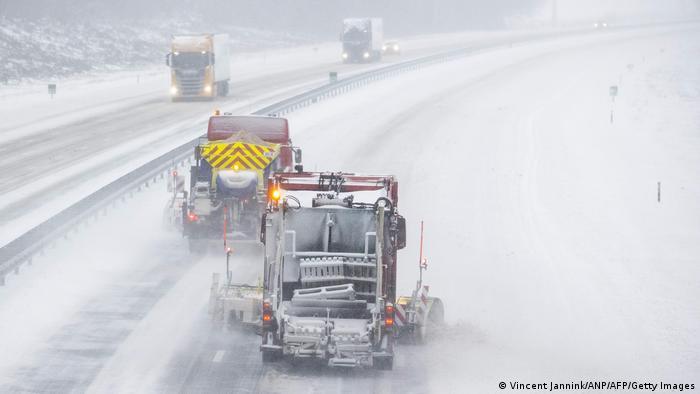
x=317 y=17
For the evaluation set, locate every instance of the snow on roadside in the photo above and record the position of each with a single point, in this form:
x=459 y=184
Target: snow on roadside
x=50 y=292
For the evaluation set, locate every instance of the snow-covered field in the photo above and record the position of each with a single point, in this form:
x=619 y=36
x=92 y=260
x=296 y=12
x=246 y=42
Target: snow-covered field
x=52 y=49
x=544 y=236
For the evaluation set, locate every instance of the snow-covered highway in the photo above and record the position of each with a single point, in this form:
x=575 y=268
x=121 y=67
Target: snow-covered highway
x=544 y=235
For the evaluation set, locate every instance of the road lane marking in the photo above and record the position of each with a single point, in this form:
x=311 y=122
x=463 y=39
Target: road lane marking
x=218 y=356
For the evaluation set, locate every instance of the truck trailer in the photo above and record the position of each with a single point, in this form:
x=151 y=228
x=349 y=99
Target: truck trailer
x=329 y=287
x=362 y=40
x=199 y=66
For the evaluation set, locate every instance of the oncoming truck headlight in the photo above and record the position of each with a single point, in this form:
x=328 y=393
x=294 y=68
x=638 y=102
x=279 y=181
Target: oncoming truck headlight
x=365 y=55
x=345 y=55
x=207 y=88
x=173 y=90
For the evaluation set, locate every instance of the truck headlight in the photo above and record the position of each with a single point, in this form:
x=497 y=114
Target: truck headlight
x=396 y=47
x=207 y=88
x=173 y=90
x=384 y=48
x=345 y=55
x=365 y=55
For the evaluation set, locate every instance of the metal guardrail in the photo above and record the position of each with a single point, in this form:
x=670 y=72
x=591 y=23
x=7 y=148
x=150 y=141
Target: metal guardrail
x=23 y=249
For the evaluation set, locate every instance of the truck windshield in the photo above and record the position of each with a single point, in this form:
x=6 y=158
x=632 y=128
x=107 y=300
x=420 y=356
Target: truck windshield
x=355 y=35
x=190 y=59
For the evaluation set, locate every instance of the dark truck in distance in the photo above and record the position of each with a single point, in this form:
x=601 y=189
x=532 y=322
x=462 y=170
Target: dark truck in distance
x=362 y=40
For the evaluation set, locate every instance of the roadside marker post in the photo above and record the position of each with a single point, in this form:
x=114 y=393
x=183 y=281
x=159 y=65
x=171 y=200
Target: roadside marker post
x=613 y=93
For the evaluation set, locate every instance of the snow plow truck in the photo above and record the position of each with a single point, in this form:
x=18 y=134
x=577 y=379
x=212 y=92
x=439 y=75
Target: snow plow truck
x=329 y=286
x=227 y=190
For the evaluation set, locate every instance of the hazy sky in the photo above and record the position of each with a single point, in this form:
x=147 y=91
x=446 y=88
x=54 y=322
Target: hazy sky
x=322 y=17
x=619 y=10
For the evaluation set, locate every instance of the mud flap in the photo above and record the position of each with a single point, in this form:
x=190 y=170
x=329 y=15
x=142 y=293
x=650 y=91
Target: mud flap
x=383 y=363
x=270 y=353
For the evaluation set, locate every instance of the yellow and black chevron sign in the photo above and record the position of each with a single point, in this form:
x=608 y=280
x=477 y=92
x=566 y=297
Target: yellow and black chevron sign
x=239 y=155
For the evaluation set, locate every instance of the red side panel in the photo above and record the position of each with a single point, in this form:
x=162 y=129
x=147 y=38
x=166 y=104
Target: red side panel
x=286 y=158
x=269 y=129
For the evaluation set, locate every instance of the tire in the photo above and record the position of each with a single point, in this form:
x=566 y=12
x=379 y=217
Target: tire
x=383 y=363
x=269 y=357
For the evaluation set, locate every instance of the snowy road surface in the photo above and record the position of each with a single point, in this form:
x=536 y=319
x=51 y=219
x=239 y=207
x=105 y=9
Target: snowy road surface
x=544 y=236
x=55 y=151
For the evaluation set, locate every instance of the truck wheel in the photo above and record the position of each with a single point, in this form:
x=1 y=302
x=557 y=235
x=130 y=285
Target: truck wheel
x=384 y=363
x=269 y=357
